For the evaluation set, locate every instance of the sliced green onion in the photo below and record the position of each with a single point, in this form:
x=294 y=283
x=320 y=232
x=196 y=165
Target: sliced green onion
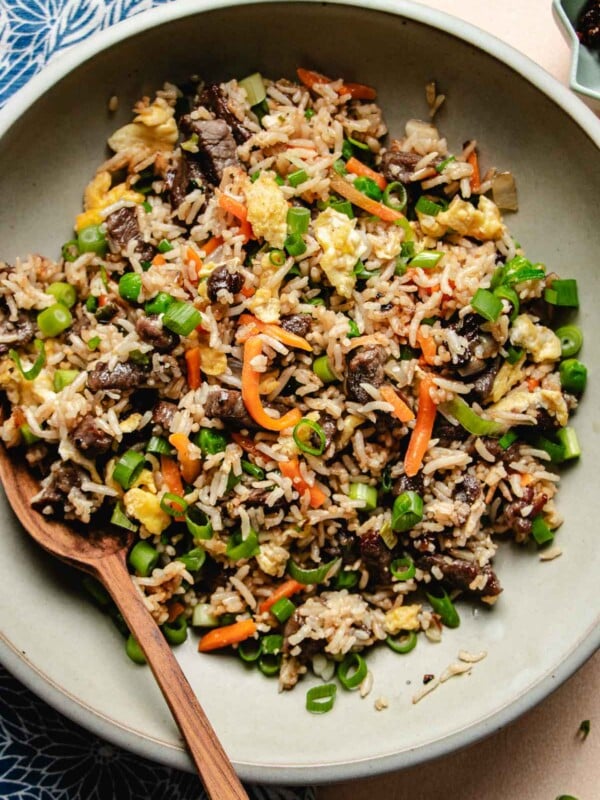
x=388 y=536
x=540 y=530
x=159 y=304
x=487 y=304
x=443 y=164
x=252 y=469
x=63 y=293
x=347 y=151
x=402 y=644
x=63 y=378
x=309 y=113
x=182 y=318
x=346 y=579
x=93 y=342
x=396 y=190
x=367 y=494
x=277 y=258
x=446 y=610
x=295 y=244
x=386 y=481
x=507 y=293
x=28 y=435
x=568 y=439
x=555 y=450
x=283 y=609
x=91 y=304
x=165 y=246
x=403 y=569
x=203 y=616
x=369 y=187
x=143 y=558
x=249 y=650
x=316 y=301
x=147 y=206
x=573 y=375
x=70 y=250
x=303 y=433
x=238 y=548
x=427 y=259
x=469 y=420
x=173 y=504
x=362 y=273
x=428 y=207
x=198 y=523
x=175 y=632
x=92 y=240
x=513 y=354
x=407 y=511
x=31 y=373
x=356 y=143
x=508 y=438
x=269 y=664
x=145 y=265
x=194 y=559
x=352 y=671
x=298 y=177
x=128 y=468
x=254 y=87
x=353 y=330
x=130 y=286
x=563 y=293
x=323 y=371
x=315 y=575
x=120 y=518
x=272 y=644
x=134 y=651
x=342 y=207
x=232 y=481
x=517 y=270
x=298 y=220
x=54 y=320
x=571 y=340
x=339 y=166
x=211 y=441
x=320 y=699
x=159 y=446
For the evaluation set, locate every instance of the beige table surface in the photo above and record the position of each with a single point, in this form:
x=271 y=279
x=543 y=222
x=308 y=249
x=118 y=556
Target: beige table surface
x=539 y=757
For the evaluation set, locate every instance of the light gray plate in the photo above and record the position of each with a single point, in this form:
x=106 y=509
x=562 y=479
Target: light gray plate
x=545 y=623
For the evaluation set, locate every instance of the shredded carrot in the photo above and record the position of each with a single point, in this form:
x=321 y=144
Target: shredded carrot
x=403 y=412
x=427 y=345
x=248 y=291
x=175 y=610
x=211 y=245
x=192 y=360
x=226 y=635
x=271 y=329
x=233 y=207
x=171 y=475
x=190 y=467
x=159 y=260
x=287 y=589
x=102 y=300
x=475 y=181
x=246 y=230
x=421 y=435
x=357 y=91
x=193 y=256
x=532 y=384
x=347 y=190
x=247 y=444
x=356 y=167
x=251 y=396
x=525 y=479
x=291 y=469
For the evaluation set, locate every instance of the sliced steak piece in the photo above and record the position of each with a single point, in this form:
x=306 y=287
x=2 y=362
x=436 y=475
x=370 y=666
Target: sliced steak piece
x=121 y=227
x=217 y=147
x=184 y=178
x=163 y=413
x=150 y=329
x=300 y=324
x=214 y=98
x=399 y=165
x=125 y=375
x=460 y=574
x=221 y=279
x=228 y=406
x=16 y=333
x=376 y=557
x=364 y=366
x=90 y=438
x=63 y=478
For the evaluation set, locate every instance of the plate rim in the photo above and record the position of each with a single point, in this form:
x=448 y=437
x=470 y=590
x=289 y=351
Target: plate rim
x=165 y=752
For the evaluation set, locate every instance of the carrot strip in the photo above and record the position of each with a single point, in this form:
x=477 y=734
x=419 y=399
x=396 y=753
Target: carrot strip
x=246 y=230
x=532 y=384
x=248 y=291
x=190 y=467
x=211 y=245
x=403 y=412
x=356 y=167
x=427 y=345
x=287 y=589
x=291 y=469
x=175 y=610
x=274 y=330
x=475 y=181
x=192 y=255
x=421 y=435
x=247 y=444
x=233 y=207
x=347 y=190
x=192 y=360
x=171 y=475
x=251 y=396
x=358 y=91
x=159 y=260
x=227 y=635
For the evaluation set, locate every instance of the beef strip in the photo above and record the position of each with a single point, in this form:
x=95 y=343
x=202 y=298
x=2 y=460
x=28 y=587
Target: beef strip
x=468 y=491
x=227 y=405
x=121 y=227
x=150 y=329
x=300 y=324
x=258 y=497
x=222 y=279
x=214 y=98
x=399 y=165
x=364 y=366
x=217 y=148
x=20 y=332
x=376 y=557
x=459 y=574
x=64 y=477
x=90 y=438
x=124 y=375
x=163 y=413
x=186 y=176
x=482 y=385
x=329 y=426
x=447 y=433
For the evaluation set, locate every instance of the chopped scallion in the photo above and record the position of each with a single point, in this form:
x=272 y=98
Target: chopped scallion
x=54 y=320
x=31 y=373
x=426 y=259
x=540 y=531
x=487 y=304
x=352 y=671
x=323 y=371
x=573 y=375
x=239 y=548
x=298 y=177
x=128 y=468
x=198 y=523
x=182 y=318
x=445 y=608
x=402 y=644
x=254 y=87
x=562 y=293
x=304 y=435
x=63 y=293
x=314 y=575
x=320 y=699
x=571 y=340
x=407 y=511
x=365 y=493
x=143 y=558
x=298 y=220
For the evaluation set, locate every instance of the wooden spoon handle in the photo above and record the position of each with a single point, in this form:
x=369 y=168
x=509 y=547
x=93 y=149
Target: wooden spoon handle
x=213 y=764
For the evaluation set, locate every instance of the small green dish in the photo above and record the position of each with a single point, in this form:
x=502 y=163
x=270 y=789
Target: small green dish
x=584 y=76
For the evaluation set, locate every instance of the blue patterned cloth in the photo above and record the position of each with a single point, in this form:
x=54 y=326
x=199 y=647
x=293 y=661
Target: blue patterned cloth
x=44 y=756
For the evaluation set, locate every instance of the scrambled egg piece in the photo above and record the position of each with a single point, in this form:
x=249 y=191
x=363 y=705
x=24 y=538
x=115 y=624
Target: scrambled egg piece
x=483 y=223
x=508 y=376
x=146 y=479
x=403 y=618
x=267 y=209
x=129 y=425
x=265 y=303
x=541 y=342
x=145 y=507
x=272 y=559
x=153 y=129
x=212 y=362
x=342 y=247
x=99 y=195
x=520 y=401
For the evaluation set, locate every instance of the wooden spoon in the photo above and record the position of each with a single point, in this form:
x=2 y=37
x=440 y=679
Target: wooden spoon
x=102 y=555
